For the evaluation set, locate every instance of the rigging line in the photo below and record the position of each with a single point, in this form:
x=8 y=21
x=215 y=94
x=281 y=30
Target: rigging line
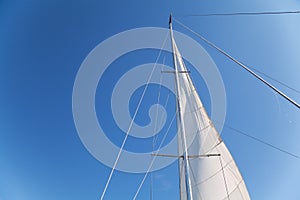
x=152 y=161
x=158 y=100
x=240 y=64
x=131 y=123
x=261 y=141
x=244 y=13
x=166 y=103
x=151 y=183
x=155 y=127
x=266 y=75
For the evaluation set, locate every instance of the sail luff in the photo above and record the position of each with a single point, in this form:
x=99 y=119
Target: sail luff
x=180 y=120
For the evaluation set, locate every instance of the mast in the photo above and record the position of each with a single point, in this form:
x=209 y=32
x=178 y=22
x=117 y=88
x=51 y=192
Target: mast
x=180 y=118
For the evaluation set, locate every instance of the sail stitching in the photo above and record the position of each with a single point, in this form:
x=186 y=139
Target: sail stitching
x=199 y=116
x=226 y=187
x=210 y=177
x=193 y=175
x=237 y=187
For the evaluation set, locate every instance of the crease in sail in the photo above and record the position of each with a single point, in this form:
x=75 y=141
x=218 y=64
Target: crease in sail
x=213 y=177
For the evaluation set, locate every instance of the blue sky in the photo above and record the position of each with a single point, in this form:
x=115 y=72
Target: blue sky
x=42 y=45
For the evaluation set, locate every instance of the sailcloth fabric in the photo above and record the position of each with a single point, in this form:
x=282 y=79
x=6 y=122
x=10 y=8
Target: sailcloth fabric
x=209 y=171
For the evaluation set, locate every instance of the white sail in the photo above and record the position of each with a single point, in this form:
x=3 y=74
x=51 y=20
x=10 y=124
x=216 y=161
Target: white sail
x=207 y=169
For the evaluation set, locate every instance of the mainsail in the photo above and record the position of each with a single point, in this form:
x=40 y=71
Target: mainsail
x=207 y=169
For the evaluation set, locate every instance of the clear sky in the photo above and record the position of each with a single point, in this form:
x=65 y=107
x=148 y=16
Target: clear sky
x=42 y=45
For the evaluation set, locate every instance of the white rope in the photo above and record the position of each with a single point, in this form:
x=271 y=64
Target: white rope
x=166 y=103
x=158 y=100
x=155 y=140
x=155 y=126
x=131 y=123
x=156 y=152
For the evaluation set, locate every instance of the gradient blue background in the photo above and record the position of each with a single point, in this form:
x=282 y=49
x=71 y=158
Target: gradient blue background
x=43 y=43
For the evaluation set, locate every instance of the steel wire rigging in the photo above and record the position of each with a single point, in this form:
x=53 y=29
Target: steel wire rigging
x=245 y=13
x=241 y=65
